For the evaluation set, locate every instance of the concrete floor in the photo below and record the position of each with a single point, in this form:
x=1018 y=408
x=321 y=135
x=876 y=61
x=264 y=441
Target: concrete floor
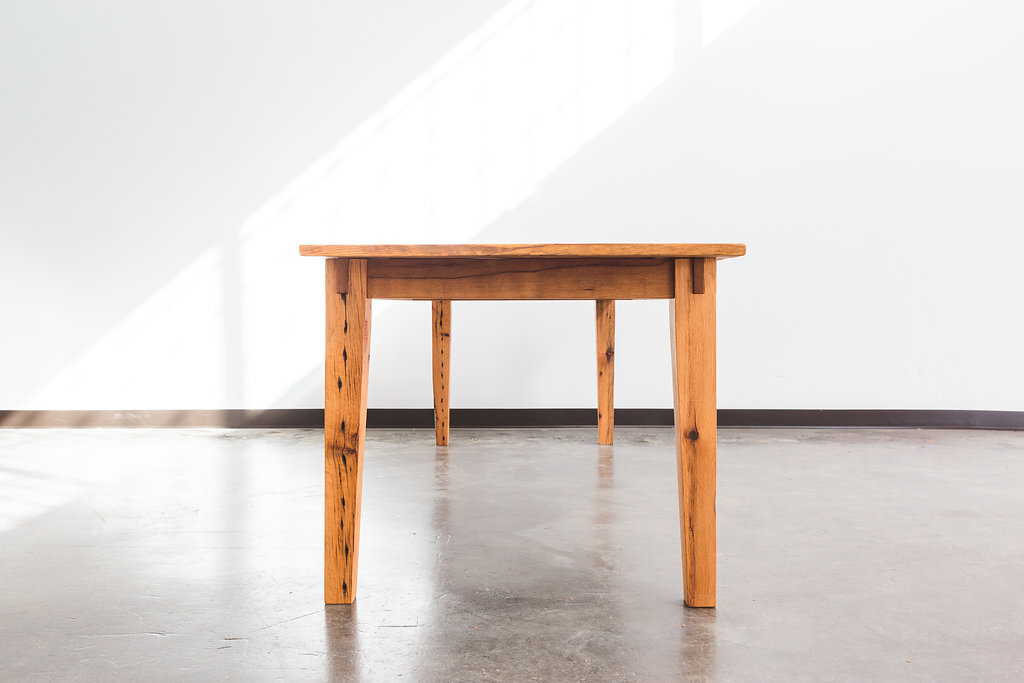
x=512 y=555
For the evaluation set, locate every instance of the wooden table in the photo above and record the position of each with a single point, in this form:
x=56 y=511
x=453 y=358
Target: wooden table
x=683 y=273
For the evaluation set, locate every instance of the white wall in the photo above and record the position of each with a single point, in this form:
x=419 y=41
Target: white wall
x=159 y=164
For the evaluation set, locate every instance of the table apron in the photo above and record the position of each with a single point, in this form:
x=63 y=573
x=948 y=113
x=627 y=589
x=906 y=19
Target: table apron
x=520 y=278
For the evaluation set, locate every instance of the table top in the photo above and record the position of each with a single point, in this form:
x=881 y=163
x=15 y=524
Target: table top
x=477 y=251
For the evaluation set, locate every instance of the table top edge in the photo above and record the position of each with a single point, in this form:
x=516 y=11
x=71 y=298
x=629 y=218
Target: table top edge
x=561 y=250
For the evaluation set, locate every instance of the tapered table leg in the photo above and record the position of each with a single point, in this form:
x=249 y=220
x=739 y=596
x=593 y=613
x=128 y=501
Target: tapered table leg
x=693 y=373
x=347 y=363
x=605 y=370
x=442 y=347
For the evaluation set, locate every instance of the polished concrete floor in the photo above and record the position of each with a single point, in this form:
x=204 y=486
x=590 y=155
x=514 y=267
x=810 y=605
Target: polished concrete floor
x=173 y=555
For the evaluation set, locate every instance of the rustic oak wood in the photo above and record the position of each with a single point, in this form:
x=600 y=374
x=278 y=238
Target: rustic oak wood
x=523 y=250
x=520 y=278
x=683 y=273
x=441 y=346
x=693 y=373
x=605 y=371
x=346 y=365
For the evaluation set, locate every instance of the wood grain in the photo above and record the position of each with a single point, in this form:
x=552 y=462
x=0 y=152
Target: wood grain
x=441 y=346
x=346 y=365
x=468 y=279
x=341 y=275
x=692 y=318
x=605 y=371
x=697 y=279
x=524 y=250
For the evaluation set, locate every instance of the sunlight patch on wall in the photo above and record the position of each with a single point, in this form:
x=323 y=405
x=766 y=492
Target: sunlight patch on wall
x=469 y=140
x=167 y=354
x=718 y=16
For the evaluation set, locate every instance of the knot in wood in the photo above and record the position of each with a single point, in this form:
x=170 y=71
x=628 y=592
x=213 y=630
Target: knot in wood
x=692 y=435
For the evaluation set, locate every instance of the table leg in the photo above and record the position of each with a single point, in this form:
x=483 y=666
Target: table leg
x=605 y=370
x=346 y=363
x=692 y=315
x=442 y=348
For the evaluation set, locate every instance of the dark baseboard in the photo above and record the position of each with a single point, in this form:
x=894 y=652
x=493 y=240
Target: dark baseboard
x=515 y=417
x=912 y=419
x=278 y=417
